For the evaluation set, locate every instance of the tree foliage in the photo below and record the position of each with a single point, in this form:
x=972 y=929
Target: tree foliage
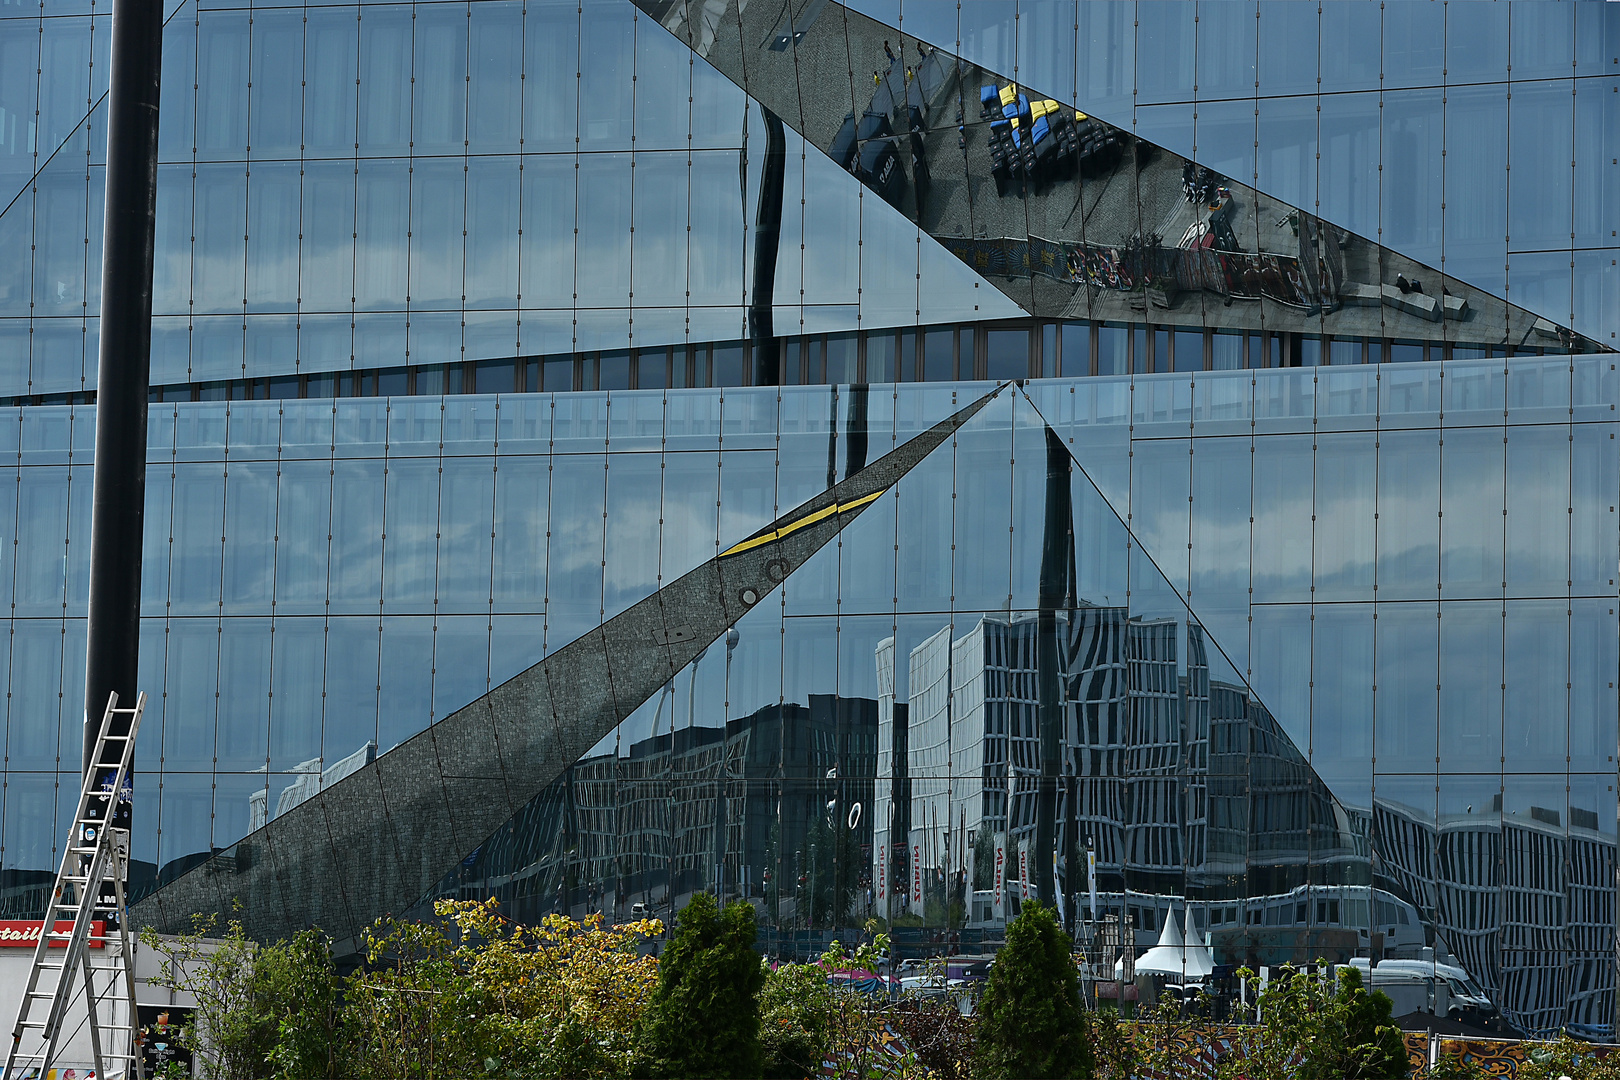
x=477 y=993
x=470 y=995
x=1312 y=1026
x=703 y=1017
x=262 y=1010
x=796 y=1012
x=1031 y=1023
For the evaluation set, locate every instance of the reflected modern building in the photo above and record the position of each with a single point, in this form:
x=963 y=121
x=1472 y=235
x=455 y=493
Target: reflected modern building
x=802 y=450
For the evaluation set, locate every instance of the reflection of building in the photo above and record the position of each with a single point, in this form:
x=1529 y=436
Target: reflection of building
x=1183 y=787
x=1525 y=904
x=311 y=779
x=891 y=796
x=701 y=808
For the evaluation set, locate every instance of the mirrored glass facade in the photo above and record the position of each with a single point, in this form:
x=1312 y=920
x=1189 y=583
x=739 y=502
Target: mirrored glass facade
x=1187 y=478
x=424 y=184
x=1481 y=142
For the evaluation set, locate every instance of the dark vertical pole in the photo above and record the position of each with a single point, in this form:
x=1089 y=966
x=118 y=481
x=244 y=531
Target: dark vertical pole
x=1048 y=663
x=767 y=239
x=119 y=495
x=855 y=441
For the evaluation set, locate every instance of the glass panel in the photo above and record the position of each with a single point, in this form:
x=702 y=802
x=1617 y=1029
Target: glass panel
x=438 y=190
x=1593 y=490
x=1405 y=666
x=382 y=212
x=574 y=556
x=1535 y=708
x=1471 y=464
x=1282 y=517
x=631 y=551
x=602 y=269
x=460 y=662
x=1538 y=511
x=551 y=79
x=244 y=700
x=357 y=541
x=1345 y=534
x=1007 y=354
x=1221 y=511
x=410 y=535
x=351 y=686
x=1470 y=686
x=331 y=48
x=304 y=509
x=405 y=702
x=385 y=87
x=1593 y=660
x=493 y=200
x=1408 y=498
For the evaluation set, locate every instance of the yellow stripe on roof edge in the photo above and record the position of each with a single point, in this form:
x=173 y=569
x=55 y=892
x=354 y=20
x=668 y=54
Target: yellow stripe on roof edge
x=809 y=519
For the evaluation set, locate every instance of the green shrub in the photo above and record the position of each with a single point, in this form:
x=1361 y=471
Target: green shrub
x=262 y=1010
x=703 y=1017
x=796 y=1009
x=1311 y=1025
x=1030 y=1021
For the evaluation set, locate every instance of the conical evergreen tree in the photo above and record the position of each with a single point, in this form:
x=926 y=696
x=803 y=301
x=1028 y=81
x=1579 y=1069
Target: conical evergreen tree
x=1031 y=1023
x=703 y=1020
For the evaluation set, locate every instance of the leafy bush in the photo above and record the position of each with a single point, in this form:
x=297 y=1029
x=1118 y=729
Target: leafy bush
x=1310 y=1026
x=1030 y=1022
x=703 y=1017
x=561 y=999
x=262 y=1010
x=796 y=1008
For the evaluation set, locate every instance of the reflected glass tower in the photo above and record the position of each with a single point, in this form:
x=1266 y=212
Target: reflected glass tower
x=866 y=459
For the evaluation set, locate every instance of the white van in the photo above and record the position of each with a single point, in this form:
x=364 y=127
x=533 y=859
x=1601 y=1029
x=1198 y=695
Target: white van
x=1469 y=1001
x=1409 y=990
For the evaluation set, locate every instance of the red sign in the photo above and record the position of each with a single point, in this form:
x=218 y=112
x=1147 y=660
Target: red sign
x=24 y=933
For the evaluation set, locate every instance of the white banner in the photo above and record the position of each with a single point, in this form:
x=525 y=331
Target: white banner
x=1023 y=871
x=916 y=872
x=880 y=885
x=998 y=897
x=970 y=880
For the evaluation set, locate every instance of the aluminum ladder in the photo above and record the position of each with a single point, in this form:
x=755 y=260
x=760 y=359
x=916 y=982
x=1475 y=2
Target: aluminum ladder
x=65 y=969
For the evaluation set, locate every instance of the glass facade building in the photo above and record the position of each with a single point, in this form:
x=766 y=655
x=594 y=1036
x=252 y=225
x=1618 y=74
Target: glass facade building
x=1179 y=432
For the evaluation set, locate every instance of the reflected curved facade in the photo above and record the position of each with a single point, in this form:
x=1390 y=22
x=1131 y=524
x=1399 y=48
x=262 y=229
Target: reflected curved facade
x=1120 y=485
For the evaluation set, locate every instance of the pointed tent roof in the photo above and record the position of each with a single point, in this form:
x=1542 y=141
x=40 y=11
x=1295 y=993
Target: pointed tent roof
x=1173 y=956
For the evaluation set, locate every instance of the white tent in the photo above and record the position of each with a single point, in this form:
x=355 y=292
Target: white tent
x=1174 y=956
